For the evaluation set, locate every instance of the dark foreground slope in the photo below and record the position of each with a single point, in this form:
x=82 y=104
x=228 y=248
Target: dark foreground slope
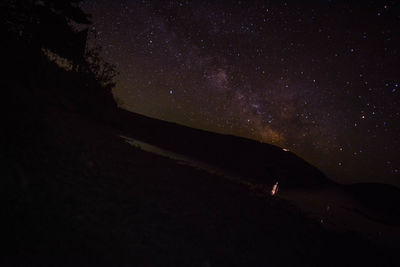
x=78 y=195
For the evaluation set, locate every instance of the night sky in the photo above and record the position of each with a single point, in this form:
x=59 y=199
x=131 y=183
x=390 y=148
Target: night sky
x=319 y=78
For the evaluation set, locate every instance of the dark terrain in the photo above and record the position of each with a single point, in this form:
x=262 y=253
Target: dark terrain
x=77 y=194
x=81 y=196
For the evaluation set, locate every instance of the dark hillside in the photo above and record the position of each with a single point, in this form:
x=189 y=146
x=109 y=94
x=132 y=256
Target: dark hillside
x=81 y=196
x=261 y=162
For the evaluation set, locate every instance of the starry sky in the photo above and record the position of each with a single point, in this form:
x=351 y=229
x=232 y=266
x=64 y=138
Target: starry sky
x=320 y=78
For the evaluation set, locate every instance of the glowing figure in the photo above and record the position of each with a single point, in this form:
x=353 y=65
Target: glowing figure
x=274 y=190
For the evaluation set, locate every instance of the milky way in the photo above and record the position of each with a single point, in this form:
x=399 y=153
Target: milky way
x=320 y=79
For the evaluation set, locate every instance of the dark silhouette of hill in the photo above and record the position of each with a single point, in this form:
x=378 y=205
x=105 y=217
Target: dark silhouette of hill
x=260 y=163
x=263 y=163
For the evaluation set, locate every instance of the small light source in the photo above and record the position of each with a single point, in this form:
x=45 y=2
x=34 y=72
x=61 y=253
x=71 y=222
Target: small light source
x=274 y=190
x=285 y=149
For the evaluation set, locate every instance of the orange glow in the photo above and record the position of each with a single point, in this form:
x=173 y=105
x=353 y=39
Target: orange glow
x=274 y=190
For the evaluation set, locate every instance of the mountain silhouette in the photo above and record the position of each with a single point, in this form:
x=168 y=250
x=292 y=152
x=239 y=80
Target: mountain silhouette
x=260 y=162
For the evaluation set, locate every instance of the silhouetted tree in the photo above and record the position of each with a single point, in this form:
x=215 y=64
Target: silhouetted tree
x=47 y=24
x=103 y=71
x=39 y=33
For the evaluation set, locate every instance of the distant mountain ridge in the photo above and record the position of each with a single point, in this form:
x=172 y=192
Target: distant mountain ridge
x=257 y=162
x=260 y=162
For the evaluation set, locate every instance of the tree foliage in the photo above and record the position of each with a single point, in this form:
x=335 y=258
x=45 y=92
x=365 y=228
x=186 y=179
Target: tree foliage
x=51 y=26
x=47 y=24
x=103 y=71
